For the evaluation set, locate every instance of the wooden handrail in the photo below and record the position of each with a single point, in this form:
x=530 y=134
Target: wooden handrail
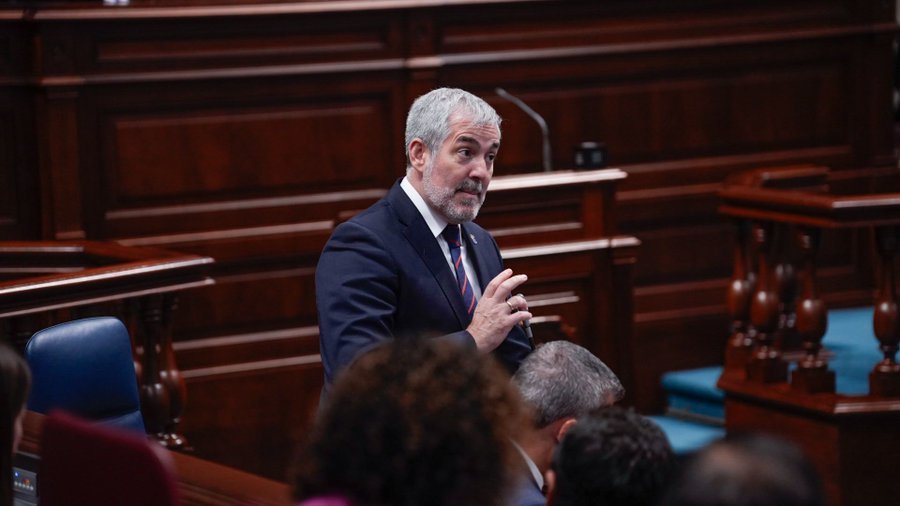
x=43 y=283
x=779 y=317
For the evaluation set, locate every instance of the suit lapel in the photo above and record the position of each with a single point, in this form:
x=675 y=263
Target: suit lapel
x=419 y=236
x=478 y=256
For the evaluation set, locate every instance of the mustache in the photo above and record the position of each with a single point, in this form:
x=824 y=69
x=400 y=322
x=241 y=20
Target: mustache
x=471 y=186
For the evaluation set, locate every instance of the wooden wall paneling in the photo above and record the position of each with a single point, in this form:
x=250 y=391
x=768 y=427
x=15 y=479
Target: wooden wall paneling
x=848 y=447
x=226 y=130
x=588 y=285
x=250 y=415
x=680 y=105
x=61 y=182
x=244 y=142
x=19 y=197
x=867 y=120
x=820 y=441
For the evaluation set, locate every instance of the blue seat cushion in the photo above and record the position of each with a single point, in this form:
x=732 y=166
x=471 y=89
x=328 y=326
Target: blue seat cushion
x=693 y=393
x=686 y=436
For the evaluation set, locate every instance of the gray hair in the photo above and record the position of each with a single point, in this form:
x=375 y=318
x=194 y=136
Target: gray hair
x=561 y=379
x=429 y=116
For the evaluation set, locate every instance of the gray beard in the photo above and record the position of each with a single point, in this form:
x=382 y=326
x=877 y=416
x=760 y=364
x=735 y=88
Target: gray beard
x=442 y=198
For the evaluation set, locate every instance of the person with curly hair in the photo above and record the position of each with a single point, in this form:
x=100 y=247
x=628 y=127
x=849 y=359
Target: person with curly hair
x=413 y=422
x=15 y=383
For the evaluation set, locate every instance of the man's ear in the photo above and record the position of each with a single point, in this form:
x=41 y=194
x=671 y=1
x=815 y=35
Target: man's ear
x=418 y=155
x=563 y=428
x=550 y=482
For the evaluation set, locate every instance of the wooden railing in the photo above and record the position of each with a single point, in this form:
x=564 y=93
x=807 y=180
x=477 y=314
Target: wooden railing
x=43 y=283
x=779 y=318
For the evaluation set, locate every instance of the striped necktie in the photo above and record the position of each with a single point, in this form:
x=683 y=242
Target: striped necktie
x=451 y=234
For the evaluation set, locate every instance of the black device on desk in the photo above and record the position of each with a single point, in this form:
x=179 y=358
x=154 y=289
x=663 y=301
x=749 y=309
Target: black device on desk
x=25 y=469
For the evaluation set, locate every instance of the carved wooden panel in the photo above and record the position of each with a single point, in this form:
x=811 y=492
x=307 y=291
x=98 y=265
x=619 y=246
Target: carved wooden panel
x=19 y=197
x=249 y=415
x=236 y=144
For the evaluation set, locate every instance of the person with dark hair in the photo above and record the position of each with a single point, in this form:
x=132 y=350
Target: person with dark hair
x=414 y=263
x=747 y=470
x=560 y=381
x=15 y=383
x=413 y=423
x=613 y=457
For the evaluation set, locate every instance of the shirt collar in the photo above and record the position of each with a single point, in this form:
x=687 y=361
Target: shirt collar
x=532 y=467
x=436 y=223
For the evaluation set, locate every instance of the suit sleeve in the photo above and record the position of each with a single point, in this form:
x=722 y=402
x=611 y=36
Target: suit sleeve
x=357 y=286
x=356 y=295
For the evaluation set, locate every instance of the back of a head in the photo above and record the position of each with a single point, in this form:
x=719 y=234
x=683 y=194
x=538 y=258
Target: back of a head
x=562 y=379
x=613 y=457
x=747 y=470
x=413 y=422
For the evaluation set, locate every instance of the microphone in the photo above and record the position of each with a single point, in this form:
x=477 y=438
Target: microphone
x=526 y=326
x=537 y=119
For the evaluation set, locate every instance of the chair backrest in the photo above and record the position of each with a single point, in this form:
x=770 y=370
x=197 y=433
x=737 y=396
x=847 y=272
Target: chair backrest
x=86 y=368
x=88 y=463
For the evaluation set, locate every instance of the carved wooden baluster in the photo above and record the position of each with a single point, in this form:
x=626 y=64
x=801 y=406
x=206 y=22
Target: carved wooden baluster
x=765 y=364
x=171 y=375
x=884 y=380
x=812 y=374
x=786 y=285
x=162 y=389
x=738 y=298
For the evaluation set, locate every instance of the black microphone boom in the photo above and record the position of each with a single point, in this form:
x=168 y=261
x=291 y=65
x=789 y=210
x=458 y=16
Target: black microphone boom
x=538 y=119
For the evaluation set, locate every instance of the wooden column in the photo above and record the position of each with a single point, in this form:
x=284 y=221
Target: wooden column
x=766 y=365
x=738 y=299
x=884 y=380
x=812 y=374
x=163 y=390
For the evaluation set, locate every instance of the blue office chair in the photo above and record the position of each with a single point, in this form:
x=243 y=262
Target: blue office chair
x=85 y=367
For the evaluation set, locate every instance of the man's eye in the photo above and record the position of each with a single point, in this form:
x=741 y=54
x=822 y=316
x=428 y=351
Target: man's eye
x=465 y=152
x=491 y=157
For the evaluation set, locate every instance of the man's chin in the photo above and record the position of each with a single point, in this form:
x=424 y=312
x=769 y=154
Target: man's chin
x=463 y=213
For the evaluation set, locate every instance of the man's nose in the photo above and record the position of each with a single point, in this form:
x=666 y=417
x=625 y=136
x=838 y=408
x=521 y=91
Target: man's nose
x=480 y=170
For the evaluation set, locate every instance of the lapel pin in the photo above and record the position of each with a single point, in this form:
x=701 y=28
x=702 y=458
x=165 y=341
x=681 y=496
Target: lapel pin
x=472 y=237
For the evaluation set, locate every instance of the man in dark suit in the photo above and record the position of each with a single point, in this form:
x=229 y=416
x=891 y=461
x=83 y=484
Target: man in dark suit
x=414 y=265
x=560 y=382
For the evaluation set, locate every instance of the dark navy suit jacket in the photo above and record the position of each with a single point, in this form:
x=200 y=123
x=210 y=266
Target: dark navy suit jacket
x=526 y=491
x=382 y=275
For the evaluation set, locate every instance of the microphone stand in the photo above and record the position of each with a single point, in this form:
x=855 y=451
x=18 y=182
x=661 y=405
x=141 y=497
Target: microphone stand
x=537 y=119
